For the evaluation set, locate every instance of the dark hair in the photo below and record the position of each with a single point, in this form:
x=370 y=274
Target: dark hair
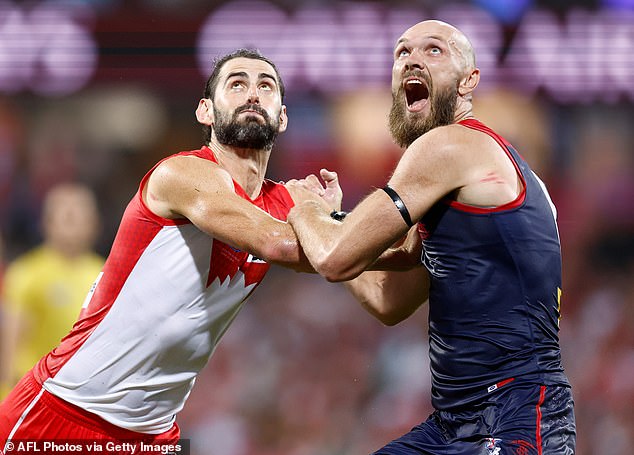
x=212 y=82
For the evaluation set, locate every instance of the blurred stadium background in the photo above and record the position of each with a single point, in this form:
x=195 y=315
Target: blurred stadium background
x=98 y=90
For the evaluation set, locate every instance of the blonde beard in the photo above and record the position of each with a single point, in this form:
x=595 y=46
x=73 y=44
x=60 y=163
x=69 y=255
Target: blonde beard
x=404 y=131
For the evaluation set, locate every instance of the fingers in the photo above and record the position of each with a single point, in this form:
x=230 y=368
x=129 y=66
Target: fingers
x=312 y=183
x=311 y=188
x=329 y=177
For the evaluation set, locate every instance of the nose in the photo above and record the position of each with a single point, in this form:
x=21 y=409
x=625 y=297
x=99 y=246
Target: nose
x=414 y=61
x=413 y=65
x=252 y=95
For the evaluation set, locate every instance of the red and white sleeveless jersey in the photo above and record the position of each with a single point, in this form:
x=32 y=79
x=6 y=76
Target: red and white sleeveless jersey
x=165 y=297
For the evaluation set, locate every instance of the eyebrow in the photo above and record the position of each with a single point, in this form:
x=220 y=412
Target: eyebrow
x=436 y=37
x=245 y=75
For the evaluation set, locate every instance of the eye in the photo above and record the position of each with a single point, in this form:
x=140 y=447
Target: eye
x=236 y=85
x=435 y=51
x=267 y=86
x=402 y=52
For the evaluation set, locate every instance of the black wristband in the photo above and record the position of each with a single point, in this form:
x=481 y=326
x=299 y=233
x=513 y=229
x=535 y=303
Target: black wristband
x=400 y=205
x=338 y=215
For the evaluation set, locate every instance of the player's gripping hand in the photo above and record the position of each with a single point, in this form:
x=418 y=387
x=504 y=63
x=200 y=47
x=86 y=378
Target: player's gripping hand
x=328 y=193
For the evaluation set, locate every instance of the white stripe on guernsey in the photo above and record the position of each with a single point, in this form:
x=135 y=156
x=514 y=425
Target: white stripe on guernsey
x=22 y=417
x=91 y=291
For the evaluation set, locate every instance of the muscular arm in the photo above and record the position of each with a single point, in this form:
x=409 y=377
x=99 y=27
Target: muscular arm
x=429 y=169
x=402 y=256
x=392 y=296
x=201 y=191
x=450 y=160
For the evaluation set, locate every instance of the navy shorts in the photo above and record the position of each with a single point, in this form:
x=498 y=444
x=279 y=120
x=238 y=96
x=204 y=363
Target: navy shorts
x=525 y=419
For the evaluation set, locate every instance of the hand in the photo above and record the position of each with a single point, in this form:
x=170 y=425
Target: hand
x=301 y=190
x=333 y=195
x=311 y=188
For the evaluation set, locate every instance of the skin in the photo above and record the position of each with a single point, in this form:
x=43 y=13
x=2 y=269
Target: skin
x=203 y=191
x=448 y=161
x=70 y=219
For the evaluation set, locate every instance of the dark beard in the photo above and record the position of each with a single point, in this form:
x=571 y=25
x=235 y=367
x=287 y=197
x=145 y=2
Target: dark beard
x=247 y=134
x=405 y=131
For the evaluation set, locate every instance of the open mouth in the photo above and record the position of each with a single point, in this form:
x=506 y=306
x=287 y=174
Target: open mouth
x=416 y=93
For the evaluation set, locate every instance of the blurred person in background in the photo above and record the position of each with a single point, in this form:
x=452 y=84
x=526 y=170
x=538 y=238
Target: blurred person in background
x=477 y=217
x=193 y=243
x=44 y=288
x=3 y=354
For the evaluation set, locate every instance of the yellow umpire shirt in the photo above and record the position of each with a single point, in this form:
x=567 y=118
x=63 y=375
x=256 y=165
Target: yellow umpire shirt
x=46 y=290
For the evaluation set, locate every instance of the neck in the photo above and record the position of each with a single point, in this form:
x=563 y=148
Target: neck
x=246 y=166
x=464 y=110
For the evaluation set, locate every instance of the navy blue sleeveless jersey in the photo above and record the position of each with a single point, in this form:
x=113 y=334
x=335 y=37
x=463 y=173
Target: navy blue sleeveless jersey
x=495 y=292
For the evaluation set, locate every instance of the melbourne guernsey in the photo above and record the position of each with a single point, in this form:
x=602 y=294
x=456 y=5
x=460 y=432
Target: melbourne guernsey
x=495 y=291
x=166 y=295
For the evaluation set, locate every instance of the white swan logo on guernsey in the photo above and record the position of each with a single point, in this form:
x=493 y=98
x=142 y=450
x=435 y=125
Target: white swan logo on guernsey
x=226 y=261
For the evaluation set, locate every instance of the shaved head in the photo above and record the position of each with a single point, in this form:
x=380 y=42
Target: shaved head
x=456 y=39
x=433 y=77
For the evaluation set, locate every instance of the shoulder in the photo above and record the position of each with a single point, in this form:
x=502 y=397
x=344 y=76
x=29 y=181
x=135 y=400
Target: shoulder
x=180 y=163
x=451 y=145
x=185 y=169
x=443 y=147
x=449 y=139
x=183 y=185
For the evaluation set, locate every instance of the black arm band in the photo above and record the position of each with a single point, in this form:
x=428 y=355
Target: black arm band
x=338 y=215
x=400 y=205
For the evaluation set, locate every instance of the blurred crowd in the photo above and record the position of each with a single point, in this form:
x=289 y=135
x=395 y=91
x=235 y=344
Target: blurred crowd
x=304 y=370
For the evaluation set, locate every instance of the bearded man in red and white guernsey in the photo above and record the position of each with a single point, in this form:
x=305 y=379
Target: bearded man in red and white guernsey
x=194 y=242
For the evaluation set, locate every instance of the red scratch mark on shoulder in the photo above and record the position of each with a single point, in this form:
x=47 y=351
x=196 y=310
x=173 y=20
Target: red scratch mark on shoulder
x=492 y=177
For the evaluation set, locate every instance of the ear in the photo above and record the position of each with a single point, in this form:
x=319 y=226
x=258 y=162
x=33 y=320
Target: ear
x=205 y=112
x=469 y=83
x=283 y=120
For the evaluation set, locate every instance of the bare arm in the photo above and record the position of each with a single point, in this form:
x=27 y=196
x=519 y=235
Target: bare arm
x=392 y=296
x=201 y=191
x=403 y=255
x=430 y=168
x=450 y=160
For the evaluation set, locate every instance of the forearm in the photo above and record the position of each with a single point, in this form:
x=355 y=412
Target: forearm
x=248 y=228
x=282 y=248
x=391 y=296
x=319 y=236
x=404 y=255
x=340 y=251
x=395 y=259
